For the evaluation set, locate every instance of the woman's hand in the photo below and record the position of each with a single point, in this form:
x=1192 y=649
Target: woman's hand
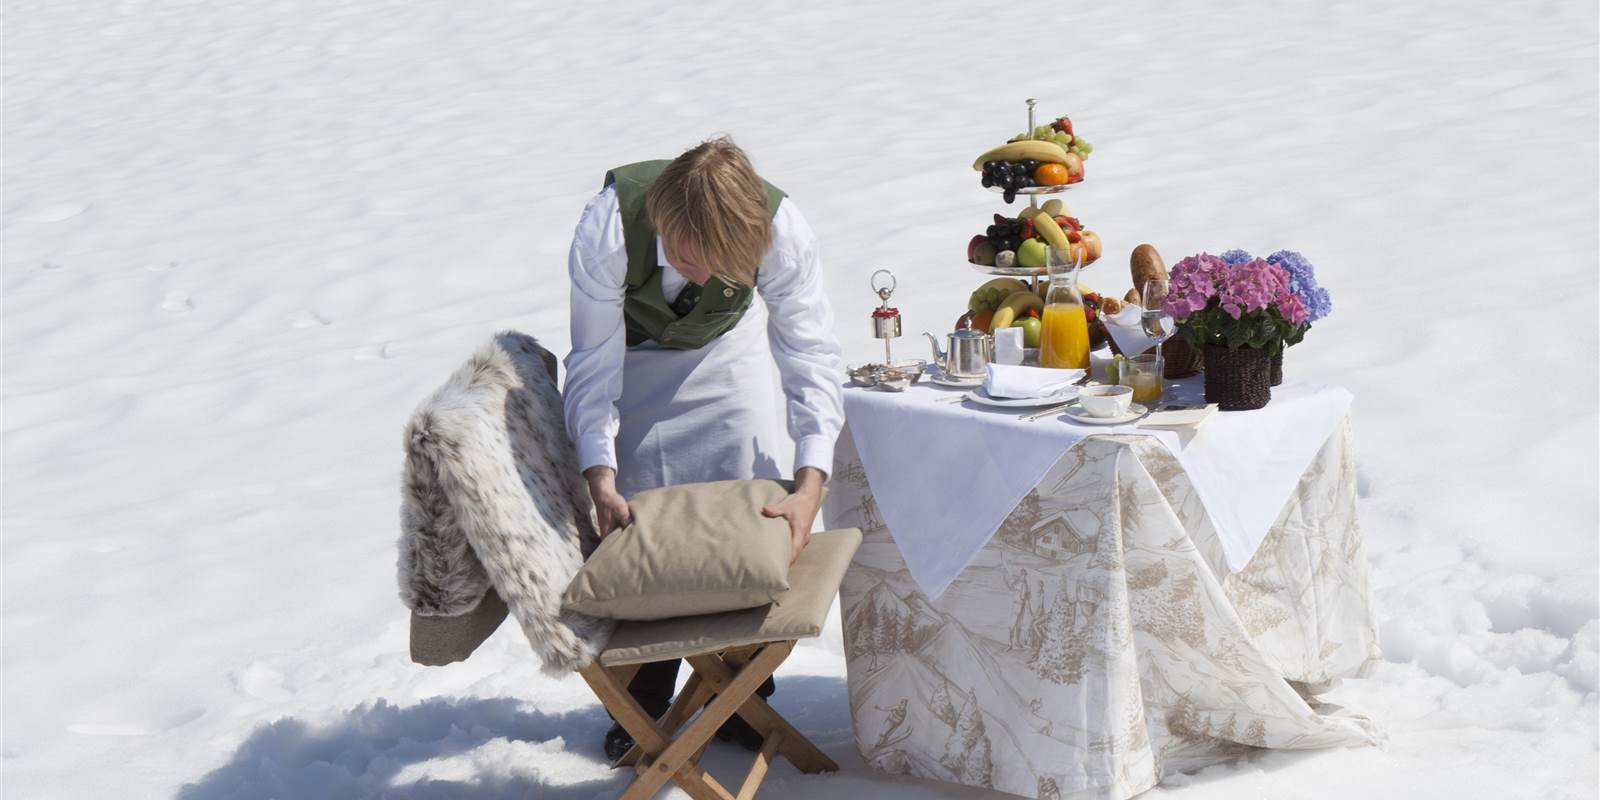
x=610 y=510
x=799 y=508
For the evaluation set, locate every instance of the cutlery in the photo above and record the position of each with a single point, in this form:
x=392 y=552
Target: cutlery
x=1046 y=412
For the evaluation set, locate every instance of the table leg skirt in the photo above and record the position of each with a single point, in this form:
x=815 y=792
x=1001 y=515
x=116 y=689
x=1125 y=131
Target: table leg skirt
x=1097 y=642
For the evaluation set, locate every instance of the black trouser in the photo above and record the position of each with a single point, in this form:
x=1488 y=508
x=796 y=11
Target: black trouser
x=652 y=686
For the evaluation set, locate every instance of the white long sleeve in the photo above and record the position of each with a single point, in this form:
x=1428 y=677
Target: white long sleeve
x=799 y=329
x=598 y=268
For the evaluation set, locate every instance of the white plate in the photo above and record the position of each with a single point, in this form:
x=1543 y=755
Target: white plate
x=982 y=398
x=1077 y=414
x=938 y=376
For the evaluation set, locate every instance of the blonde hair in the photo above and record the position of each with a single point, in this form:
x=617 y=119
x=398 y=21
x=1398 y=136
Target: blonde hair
x=711 y=199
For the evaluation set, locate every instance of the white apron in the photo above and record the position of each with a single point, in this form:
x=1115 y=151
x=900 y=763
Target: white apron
x=711 y=414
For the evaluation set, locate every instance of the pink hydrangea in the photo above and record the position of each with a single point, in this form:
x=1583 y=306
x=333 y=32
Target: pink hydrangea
x=1252 y=286
x=1192 y=283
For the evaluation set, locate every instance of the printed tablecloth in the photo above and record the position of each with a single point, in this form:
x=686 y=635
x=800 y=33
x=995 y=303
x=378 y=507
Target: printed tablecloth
x=1098 y=641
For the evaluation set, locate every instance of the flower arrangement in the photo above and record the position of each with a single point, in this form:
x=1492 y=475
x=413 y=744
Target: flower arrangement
x=1234 y=306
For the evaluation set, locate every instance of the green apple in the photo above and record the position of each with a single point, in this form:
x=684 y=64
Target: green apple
x=1031 y=254
x=1030 y=330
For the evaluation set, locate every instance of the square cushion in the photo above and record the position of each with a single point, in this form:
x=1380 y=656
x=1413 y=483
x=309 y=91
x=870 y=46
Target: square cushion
x=697 y=548
x=796 y=614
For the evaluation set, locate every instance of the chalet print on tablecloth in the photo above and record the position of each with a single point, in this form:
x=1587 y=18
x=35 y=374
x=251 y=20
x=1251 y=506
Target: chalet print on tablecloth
x=1090 y=648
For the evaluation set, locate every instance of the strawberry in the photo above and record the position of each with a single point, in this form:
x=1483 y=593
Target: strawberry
x=1027 y=229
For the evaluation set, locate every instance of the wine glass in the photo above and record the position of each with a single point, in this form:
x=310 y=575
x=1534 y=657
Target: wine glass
x=1157 y=324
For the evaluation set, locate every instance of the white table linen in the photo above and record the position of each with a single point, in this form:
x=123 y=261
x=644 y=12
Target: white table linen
x=945 y=475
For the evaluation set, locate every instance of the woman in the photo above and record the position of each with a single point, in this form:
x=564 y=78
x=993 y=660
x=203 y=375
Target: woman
x=670 y=376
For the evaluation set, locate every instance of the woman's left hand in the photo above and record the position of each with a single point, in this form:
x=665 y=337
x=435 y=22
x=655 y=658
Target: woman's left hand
x=799 y=508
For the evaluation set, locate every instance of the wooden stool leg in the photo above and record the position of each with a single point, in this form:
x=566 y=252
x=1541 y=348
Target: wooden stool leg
x=694 y=695
x=794 y=745
x=677 y=756
x=632 y=717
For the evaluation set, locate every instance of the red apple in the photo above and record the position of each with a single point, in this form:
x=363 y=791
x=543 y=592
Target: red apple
x=972 y=247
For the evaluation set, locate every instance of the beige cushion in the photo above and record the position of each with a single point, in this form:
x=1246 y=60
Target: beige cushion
x=691 y=549
x=440 y=640
x=797 y=614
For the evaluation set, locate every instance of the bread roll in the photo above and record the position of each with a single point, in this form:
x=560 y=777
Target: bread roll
x=1146 y=265
x=1110 y=306
x=1133 y=297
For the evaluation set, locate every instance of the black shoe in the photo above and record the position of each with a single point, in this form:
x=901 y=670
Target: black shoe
x=739 y=732
x=618 y=742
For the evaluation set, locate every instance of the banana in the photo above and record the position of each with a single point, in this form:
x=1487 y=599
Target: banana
x=1045 y=152
x=1011 y=285
x=1021 y=301
x=1028 y=212
x=1015 y=305
x=1056 y=208
x=1045 y=225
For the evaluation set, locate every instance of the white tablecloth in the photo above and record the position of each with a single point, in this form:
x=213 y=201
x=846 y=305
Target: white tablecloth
x=945 y=475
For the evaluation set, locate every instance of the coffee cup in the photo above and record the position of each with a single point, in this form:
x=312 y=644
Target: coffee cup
x=1105 y=401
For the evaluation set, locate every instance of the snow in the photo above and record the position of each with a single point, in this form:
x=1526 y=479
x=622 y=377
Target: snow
x=242 y=241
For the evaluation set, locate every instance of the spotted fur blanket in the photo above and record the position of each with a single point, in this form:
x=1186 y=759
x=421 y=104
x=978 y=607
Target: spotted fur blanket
x=493 y=502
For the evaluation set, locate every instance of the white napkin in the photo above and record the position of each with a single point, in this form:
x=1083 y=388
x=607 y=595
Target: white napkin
x=1008 y=346
x=1124 y=327
x=1004 y=380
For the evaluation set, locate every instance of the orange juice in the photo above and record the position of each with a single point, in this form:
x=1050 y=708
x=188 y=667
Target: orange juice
x=1064 y=337
x=1146 y=387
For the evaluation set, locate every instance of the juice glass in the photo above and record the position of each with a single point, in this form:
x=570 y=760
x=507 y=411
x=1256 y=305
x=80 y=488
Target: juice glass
x=1143 y=375
x=1064 y=328
x=1064 y=336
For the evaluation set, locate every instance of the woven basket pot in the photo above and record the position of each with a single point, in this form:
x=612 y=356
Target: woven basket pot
x=1181 y=359
x=1277 y=367
x=1238 y=380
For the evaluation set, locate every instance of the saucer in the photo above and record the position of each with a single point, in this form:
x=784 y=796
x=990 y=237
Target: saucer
x=982 y=398
x=1078 y=415
x=938 y=376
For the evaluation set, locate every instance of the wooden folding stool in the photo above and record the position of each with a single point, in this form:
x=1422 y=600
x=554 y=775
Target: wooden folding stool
x=731 y=654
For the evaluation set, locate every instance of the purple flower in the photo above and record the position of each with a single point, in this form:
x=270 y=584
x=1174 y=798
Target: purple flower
x=1303 y=283
x=1252 y=286
x=1235 y=257
x=1192 y=284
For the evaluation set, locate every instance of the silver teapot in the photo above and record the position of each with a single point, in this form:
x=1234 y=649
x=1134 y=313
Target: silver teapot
x=970 y=352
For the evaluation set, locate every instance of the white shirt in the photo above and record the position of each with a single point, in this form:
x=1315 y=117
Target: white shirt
x=799 y=331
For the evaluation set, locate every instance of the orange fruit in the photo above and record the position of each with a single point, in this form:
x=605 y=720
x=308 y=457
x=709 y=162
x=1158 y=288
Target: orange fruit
x=1051 y=174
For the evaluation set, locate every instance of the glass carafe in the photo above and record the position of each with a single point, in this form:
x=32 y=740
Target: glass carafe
x=1064 y=335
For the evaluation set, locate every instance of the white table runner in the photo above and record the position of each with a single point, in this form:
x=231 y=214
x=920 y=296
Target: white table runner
x=945 y=475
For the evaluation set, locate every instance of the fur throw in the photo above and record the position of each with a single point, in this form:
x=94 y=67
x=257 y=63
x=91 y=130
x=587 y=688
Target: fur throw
x=493 y=499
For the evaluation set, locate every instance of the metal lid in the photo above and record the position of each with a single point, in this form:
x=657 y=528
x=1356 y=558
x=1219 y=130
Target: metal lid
x=967 y=333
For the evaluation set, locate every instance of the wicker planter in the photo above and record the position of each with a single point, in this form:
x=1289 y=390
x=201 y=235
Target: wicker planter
x=1182 y=360
x=1277 y=367
x=1238 y=380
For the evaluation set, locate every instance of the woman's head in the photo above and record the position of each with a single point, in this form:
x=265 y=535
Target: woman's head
x=710 y=209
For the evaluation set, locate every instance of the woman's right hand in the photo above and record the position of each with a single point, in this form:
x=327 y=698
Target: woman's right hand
x=610 y=510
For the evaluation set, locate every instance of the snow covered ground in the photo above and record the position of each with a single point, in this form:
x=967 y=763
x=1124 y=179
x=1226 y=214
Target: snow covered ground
x=243 y=240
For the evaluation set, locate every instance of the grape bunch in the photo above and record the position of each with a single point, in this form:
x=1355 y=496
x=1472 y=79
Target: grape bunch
x=987 y=299
x=1009 y=175
x=1005 y=235
x=1072 y=143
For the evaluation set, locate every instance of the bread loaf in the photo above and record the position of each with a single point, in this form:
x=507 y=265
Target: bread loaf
x=1146 y=265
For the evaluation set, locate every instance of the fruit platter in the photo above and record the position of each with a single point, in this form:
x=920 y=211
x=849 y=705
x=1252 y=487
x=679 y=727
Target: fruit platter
x=1007 y=302
x=1019 y=246
x=1046 y=160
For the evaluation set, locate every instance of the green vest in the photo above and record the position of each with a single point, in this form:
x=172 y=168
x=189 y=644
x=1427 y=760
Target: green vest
x=645 y=309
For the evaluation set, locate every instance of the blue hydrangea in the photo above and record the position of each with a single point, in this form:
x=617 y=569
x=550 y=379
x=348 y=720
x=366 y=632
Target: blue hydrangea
x=1303 y=282
x=1235 y=257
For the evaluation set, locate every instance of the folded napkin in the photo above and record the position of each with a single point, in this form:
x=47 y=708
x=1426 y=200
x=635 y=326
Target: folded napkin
x=1124 y=327
x=1004 y=380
